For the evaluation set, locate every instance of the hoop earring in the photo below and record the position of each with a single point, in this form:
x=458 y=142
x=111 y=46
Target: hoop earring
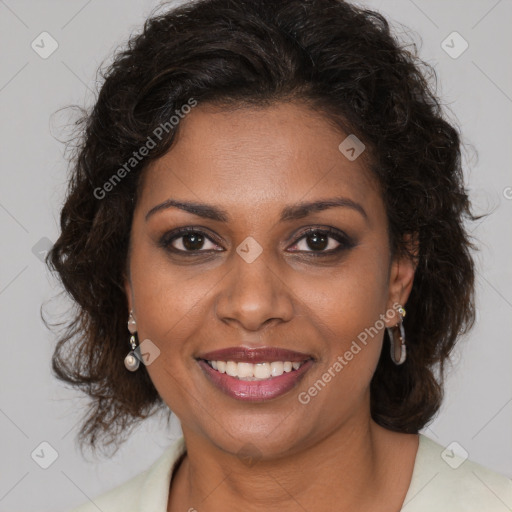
x=397 y=339
x=131 y=361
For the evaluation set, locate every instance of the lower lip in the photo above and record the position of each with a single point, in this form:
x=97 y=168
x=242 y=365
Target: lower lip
x=255 y=390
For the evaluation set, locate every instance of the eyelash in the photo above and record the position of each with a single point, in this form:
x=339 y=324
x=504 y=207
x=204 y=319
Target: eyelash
x=345 y=242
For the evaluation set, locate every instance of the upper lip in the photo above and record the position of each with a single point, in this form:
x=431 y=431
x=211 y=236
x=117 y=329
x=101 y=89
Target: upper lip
x=262 y=354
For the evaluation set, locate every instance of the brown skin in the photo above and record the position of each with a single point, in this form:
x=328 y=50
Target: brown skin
x=328 y=454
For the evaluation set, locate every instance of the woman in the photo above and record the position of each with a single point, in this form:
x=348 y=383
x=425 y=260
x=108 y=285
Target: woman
x=264 y=234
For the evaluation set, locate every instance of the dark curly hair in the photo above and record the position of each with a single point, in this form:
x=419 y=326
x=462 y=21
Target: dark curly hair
x=340 y=60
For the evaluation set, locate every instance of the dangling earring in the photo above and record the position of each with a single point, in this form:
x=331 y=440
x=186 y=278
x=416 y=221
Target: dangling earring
x=131 y=361
x=397 y=339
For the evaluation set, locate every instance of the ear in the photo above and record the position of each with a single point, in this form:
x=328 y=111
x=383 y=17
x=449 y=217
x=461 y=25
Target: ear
x=128 y=291
x=401 y=276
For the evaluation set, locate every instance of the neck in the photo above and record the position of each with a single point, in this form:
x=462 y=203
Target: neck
x=345 y=470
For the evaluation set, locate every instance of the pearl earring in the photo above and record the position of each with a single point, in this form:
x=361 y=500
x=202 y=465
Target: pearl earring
x=131 y=361
x=397 y=339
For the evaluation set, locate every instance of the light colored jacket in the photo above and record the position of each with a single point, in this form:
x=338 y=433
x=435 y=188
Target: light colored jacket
x=441 y=482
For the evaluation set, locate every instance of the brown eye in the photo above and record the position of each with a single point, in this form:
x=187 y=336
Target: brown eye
x=320 y=241
x=188 y=240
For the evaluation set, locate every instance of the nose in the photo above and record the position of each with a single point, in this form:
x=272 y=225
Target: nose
x=254 y=295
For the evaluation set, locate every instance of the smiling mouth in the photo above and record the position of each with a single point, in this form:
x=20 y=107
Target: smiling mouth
x=254 y=371
x=255 y=381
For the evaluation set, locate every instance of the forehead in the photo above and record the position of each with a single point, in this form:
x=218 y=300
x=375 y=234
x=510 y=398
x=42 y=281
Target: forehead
x=243 y=158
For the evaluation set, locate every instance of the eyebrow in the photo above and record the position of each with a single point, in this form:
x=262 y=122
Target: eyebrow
x=290 y=212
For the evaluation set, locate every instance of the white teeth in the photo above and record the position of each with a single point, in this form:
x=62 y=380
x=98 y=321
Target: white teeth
x=245 y=370
x=276 y=368
x=262 y=370
x=232 y=369
x=255 y=371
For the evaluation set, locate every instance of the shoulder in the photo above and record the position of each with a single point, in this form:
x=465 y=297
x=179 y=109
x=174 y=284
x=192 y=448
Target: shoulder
x=123 y=497
x=446 y=481
x=149 y=490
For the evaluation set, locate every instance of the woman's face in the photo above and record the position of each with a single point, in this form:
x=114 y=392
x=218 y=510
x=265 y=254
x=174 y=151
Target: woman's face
x=247 y=275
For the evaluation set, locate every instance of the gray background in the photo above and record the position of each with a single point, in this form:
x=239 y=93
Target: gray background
x=34 y=407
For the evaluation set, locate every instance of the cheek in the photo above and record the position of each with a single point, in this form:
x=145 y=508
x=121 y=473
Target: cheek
x=170 y=311
x=171 y=303
x=349 y=298
x=347 y=308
